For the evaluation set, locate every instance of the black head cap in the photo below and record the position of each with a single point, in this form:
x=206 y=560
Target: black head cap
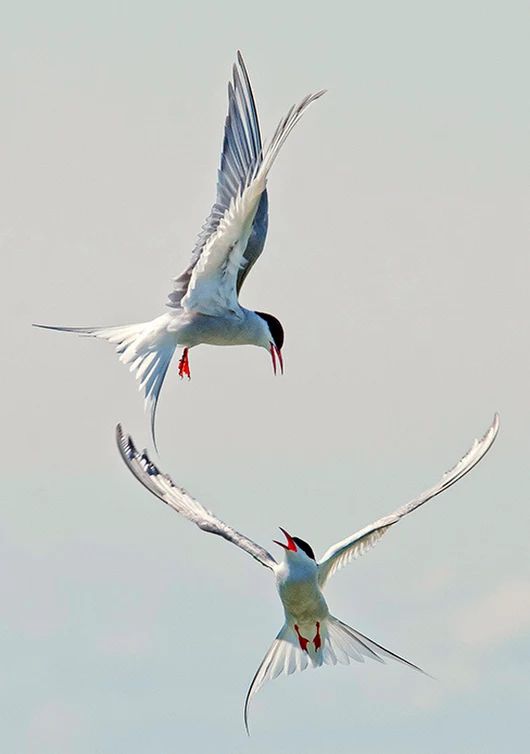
x=275 y=326
x=305 y=547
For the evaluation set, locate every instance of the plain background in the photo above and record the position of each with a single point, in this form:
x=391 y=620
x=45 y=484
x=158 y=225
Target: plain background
x=397 y=260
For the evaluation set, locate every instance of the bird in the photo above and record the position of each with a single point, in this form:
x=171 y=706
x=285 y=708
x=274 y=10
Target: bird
x=310 y=636
x=203 y=306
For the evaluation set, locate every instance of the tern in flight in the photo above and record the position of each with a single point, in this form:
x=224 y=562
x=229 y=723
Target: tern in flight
x=310 y=635
x=203 y=306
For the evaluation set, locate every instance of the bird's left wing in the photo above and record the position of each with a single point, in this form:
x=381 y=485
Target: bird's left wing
x=343 y=552
x=177 y=498
x=226 y=256
x=242 y=151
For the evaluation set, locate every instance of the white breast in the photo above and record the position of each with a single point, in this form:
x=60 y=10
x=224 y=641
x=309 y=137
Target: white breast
x=297 y=585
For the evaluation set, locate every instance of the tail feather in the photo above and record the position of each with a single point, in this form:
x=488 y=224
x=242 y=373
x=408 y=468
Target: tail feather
x=340 y=644
x=146 y=347
x=370 y=648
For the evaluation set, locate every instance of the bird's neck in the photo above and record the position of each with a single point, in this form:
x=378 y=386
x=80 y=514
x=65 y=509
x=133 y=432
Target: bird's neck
x=257 y=328
x=298 y=569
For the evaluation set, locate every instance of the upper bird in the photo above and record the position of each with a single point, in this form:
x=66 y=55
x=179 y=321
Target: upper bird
x=310 y=635
x=203 y=306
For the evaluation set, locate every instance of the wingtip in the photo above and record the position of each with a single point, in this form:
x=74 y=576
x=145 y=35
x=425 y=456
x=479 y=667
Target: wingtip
x=493 y=429
x=121 y=439
x=315 y=95
x=239 y=67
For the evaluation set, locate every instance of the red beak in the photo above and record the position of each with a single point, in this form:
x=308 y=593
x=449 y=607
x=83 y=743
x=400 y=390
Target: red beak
x=275 y=352
x=291 y=544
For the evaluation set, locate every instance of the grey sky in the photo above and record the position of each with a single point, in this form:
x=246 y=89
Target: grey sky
x=397 y=259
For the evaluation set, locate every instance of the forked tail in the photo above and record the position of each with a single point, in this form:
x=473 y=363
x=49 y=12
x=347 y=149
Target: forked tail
x=296 y=648
x=146 y=347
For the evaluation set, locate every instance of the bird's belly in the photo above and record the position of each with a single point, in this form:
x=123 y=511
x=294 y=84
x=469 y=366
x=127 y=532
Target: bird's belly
x=303 y=602
x=227 y=330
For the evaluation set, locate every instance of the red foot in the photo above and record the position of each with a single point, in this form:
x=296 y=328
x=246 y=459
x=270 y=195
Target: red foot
x=303 y=642
x=184 y=365
x=317 y=640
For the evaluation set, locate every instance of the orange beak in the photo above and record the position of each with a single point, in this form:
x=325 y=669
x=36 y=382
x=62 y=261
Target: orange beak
x=291 y=544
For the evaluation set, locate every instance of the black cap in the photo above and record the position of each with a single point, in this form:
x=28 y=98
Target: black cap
x=275 y=326
x=305 y=547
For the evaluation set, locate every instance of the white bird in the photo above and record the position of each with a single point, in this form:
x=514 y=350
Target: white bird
x=310 y=635
x=203 y=306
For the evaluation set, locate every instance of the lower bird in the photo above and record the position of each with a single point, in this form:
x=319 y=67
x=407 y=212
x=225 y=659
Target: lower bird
x=310 y=635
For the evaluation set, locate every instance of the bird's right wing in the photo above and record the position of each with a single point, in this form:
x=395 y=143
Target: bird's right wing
x=177 y=498
x=343 y=552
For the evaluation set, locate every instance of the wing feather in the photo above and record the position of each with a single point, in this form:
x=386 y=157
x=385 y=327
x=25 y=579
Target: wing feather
x=240 y=153
x=352 y=547
x=223 y=263
x=162 y=486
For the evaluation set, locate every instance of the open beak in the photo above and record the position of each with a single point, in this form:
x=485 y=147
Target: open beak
x=291 y=544
x=276 y=353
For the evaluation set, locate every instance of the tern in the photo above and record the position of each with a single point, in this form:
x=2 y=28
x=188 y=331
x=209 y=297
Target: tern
x=203 y=306
x=310 y=635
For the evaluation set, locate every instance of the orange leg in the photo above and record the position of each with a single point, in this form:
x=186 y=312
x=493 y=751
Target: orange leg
x=303 y=642
x=184 y=365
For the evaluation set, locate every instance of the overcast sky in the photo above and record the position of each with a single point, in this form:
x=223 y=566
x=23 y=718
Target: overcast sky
x=397 y=259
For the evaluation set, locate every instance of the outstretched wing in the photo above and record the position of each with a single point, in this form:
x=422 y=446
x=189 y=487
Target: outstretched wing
x=211 y=283
x=177 y=498
x=241 y=152
x=343 y=552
